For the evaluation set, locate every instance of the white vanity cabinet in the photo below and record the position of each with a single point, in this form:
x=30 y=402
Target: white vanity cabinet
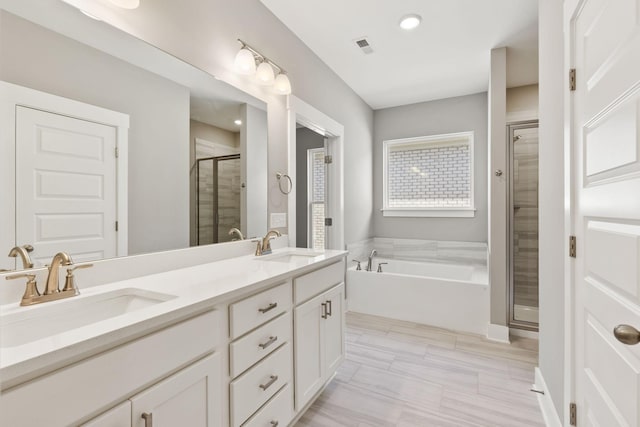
x=189 y=397
x=319 y=331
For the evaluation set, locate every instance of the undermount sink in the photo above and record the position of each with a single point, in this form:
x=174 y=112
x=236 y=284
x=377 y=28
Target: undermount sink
x=27 y=324
x=289 y=256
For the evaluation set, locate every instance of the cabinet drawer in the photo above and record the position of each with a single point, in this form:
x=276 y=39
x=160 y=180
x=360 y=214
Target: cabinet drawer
x=318 y=281
x=253 y=388
x=256 y=345
x=252 y=312
x=277 y=413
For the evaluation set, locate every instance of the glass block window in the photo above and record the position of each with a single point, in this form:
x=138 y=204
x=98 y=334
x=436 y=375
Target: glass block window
x=431 y=173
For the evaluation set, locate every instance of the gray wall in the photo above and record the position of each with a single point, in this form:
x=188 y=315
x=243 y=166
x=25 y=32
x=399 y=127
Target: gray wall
x=553 y=236
x=306 y=139
x=205 y=33
x=159 y=122
x=465 y=113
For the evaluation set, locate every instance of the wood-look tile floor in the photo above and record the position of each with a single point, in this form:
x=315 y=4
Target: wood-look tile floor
x=408 y=375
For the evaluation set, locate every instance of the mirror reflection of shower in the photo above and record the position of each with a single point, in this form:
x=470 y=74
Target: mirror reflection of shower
x=218 y=198
x=523 y=251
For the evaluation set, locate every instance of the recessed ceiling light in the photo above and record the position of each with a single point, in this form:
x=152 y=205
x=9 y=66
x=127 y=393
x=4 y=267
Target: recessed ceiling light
x=238 y=122
x=409 y=22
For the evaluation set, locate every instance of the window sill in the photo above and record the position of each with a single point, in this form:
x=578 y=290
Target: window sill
x=429 y=213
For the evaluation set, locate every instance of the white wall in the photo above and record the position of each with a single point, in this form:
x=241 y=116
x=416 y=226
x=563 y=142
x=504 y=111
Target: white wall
x=522 y=103
x=464 y=113
x=553 y=235
x=498 y=187
x=215 y=25
x=253 y=156
x=158 y=138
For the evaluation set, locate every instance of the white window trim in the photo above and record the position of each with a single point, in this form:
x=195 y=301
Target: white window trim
x=436 y=140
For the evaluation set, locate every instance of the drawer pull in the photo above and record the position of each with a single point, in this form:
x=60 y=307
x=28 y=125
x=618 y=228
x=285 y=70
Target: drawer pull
x=268 y=343
x=274 y=423
x=268 y=308
x=269 y=383
x=324 y=310
x=329 y=308
x=148 y=419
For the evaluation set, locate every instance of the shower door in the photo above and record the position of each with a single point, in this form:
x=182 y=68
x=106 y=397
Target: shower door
x=218 y=198
x=523 y=226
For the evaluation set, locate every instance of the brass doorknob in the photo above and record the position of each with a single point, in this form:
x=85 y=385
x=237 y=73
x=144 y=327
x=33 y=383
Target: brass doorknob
x=627 y=334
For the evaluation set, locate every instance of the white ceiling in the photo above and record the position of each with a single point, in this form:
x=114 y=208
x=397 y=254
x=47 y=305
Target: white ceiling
x=448 y=55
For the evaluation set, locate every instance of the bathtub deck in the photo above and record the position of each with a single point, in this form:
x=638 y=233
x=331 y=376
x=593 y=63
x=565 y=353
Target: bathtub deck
x=407 y=375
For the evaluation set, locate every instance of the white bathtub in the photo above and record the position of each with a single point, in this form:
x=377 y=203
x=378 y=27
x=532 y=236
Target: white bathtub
x=450 y=296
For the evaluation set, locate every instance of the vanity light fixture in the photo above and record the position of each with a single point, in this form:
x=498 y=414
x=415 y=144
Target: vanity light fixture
x=126 y=4
x=410 y=22
x=267 y=72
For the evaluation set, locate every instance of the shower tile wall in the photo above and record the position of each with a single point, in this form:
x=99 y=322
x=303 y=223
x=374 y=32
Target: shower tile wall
x=525 y=217
x=228 y=198
x=205 y=203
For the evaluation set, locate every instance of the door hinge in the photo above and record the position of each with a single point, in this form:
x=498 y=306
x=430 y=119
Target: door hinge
x=116 y=225
x=572 y=79
x=328 y=222
x=328 y=160
x=117 y=152
x=573 y=414
x=572 y=246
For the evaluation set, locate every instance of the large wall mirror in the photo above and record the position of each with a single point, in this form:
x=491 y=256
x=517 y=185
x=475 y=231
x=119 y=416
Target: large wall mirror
x=112 y=147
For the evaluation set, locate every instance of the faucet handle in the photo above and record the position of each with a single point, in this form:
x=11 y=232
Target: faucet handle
x=358 y=268
x=69 y=281
x=31 y=290
x=380 y=264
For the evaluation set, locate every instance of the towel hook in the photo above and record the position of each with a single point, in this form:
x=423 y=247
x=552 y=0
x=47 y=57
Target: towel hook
x=280 y=175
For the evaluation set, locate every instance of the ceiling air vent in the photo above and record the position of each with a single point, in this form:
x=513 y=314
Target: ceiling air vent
x=364 y=45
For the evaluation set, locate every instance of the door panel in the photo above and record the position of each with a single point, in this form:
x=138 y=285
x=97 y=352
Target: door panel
x=308 y=350
x=333 y=331
x=606 y=177
x=65 y=186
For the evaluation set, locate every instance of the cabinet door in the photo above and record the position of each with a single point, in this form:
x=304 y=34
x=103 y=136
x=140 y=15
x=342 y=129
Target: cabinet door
x=190 y=397
x=308 y=350
x=333 y=339
x=120 y=416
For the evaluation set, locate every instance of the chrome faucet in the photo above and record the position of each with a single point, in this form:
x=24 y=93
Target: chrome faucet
x=237 y=232
x=23 y=252
x=61 y=258
x=370 y=261
x=264 y=246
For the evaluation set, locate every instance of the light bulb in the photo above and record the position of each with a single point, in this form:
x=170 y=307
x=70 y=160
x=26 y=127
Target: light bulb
x=264 y=74
x=245 y=63
x=126 y=4
x=282 y=85
x=409 y=22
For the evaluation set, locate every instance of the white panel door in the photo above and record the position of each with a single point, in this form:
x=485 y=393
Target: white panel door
x=606 y=177
x=65 y=186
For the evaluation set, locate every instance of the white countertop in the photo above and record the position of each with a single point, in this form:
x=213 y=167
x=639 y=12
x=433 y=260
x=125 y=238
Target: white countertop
x=196 y=289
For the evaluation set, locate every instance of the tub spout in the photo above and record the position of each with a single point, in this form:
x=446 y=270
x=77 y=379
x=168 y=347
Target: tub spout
x=370 y=261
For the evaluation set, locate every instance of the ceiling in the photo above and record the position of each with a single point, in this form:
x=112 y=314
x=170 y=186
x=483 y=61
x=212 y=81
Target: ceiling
x=446 y=56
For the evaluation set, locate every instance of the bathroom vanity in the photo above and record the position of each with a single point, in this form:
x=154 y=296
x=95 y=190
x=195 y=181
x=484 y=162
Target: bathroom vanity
x=245 y=341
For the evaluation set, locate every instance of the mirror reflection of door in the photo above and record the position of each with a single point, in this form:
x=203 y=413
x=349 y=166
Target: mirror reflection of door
x=310 y=189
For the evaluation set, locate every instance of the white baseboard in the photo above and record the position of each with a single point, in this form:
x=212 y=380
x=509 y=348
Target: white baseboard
x=551 y=418
x=498 y=333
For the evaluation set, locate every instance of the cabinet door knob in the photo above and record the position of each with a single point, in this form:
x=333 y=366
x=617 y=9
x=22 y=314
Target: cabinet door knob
x=274 y=423
x=148 y=419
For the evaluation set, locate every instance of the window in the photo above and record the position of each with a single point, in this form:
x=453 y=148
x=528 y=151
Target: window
x=316 y=206
x=429 y=176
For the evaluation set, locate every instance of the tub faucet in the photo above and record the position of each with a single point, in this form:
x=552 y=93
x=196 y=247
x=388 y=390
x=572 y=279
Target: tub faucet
x=370 y=261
